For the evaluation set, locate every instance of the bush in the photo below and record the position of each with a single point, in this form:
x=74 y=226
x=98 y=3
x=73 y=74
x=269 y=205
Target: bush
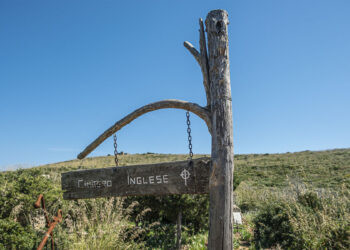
x=311 y=200
x=165 y=210
x=306 y=221
x=14 y=236
x=338 y=238
x=273 y=227
x=21 y=189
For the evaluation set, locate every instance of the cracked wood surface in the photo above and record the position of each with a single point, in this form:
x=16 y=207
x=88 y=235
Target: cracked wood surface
x=179 y=177
x=221 y=175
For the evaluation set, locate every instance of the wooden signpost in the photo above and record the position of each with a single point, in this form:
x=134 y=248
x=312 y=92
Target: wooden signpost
x=178 y=177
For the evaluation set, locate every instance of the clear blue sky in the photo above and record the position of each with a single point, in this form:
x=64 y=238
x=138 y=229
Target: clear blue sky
x=70 y=69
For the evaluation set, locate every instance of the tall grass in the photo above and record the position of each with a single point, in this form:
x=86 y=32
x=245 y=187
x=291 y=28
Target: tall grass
x=96 y=224
x=298 y=217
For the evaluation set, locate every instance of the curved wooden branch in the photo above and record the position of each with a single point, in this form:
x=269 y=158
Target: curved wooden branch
x=193 y=51
x=202 y=59
x=177 y=104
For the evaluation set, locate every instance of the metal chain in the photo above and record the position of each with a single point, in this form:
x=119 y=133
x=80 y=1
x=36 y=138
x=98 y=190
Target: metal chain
x=189 y=135
x=115 y=150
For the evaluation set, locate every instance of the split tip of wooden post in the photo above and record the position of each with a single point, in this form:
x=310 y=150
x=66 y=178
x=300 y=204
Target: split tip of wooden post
x=216 y=19
x=217 y=12
x=216 y=15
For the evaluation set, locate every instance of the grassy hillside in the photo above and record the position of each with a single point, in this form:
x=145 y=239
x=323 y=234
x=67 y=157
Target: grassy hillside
x=288 y=184
x=323 y=169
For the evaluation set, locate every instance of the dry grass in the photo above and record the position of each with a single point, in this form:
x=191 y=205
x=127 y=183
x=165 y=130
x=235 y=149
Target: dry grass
x=97 y=224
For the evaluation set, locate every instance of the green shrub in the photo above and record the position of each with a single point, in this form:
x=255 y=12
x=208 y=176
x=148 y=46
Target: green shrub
x=165 y=210
x=303 y=220
x=311 y=200
x=20 y=190
x=338 y=238
x=15 y=236
x=273 y=227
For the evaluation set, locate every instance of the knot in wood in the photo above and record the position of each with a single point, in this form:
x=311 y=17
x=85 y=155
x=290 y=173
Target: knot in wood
x=217 y=21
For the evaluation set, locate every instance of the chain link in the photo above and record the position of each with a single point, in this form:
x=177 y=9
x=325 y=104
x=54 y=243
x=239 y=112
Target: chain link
x=115 y=150
x=189 y=135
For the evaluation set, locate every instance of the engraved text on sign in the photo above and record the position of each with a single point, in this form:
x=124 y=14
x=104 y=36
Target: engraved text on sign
x=179 y=177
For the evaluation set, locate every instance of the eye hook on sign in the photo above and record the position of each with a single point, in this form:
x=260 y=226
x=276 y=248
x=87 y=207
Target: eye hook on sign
x=49 y=224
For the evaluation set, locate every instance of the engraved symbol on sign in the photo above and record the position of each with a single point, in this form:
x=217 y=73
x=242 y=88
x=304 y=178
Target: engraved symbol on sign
x=185 y=175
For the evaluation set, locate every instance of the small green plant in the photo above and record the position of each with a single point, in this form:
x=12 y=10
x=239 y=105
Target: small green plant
x=198 y=241
x=246 y=235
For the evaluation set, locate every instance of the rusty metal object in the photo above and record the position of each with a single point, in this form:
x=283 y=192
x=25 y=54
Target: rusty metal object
x=49 y=224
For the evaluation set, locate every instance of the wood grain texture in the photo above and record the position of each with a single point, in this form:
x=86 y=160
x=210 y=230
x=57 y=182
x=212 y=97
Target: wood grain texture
x=177 y=104
x=202 y=59
x=151 y=179
x=221 y=174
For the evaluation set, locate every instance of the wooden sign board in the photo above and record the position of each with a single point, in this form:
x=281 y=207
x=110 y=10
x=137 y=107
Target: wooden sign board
x=179 y=177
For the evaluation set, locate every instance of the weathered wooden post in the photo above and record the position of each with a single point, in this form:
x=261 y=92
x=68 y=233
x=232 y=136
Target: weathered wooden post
x=180 y=177
x=221 y=177
x=215 y=68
